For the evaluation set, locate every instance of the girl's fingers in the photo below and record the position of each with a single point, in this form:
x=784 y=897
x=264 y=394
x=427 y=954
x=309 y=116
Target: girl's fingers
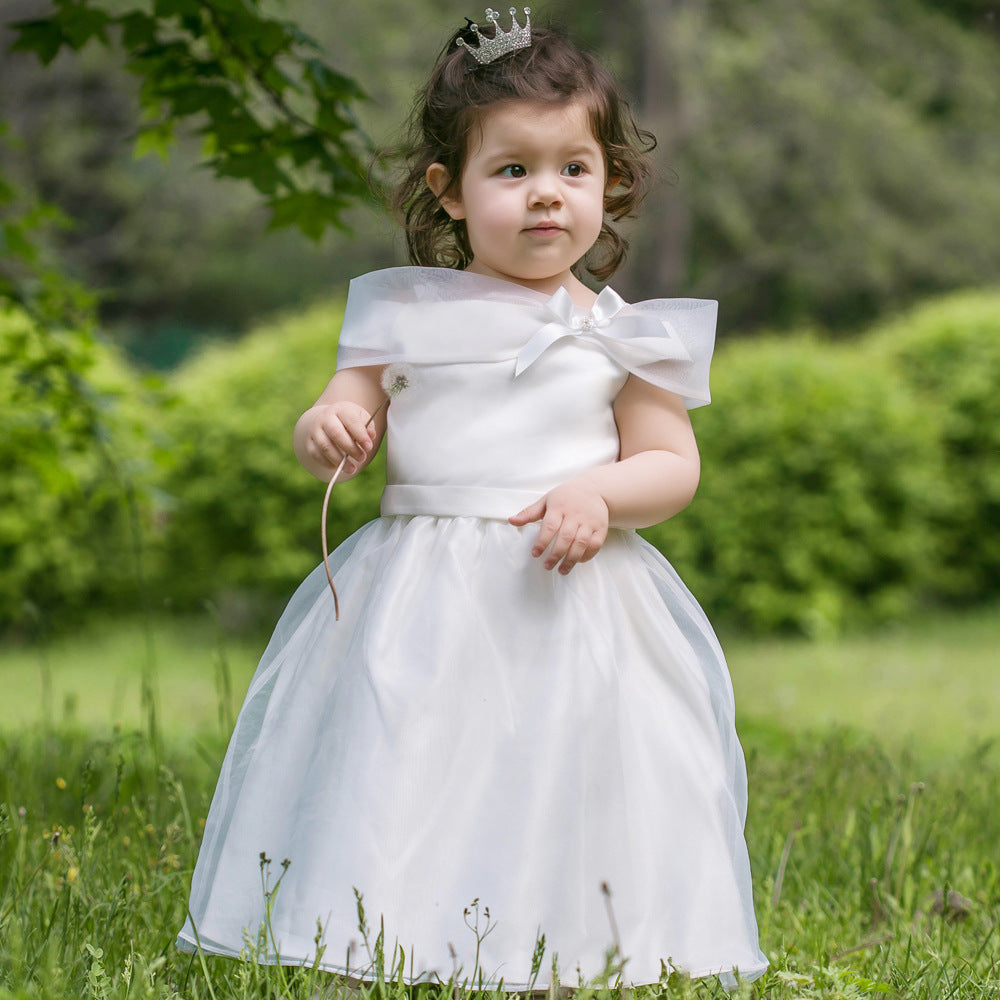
x=597 y=539
x=575 y=554
x=346 y=439
x=359 y=427
x=551 y=524
x=533 y=512
x=325 y=449
x=582 y=547
x=563 y=542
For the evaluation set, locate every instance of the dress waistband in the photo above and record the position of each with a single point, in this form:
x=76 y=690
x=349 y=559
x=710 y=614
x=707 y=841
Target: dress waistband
x=456 y=501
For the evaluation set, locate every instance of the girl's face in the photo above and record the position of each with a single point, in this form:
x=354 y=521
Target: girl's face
x=531 y=193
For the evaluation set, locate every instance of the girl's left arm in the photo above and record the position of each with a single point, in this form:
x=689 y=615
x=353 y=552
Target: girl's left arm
x=655 y=477
x=658 y=466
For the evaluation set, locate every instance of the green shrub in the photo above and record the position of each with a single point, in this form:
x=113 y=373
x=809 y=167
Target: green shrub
x=949 y=352
x=841 y=485
x=244 y=516
x=64 y=531
x=820 y=477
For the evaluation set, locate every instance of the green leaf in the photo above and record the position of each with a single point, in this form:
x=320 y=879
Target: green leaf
x=176 y=8
x=186 y=99
x=257 y=167
x=80 y=22
x=17 y=243
x=156 y=139
x=269 y=38
x=43 y=37
x=138 y=30
x=313 y=213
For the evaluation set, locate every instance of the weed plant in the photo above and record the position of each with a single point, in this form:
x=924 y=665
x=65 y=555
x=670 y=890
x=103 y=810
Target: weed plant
x=873 y=879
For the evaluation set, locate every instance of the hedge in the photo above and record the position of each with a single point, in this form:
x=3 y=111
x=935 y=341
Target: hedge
x=65 y=541
x=821 y=476
x=842 y=484
x=948 y=352
x=243 y=516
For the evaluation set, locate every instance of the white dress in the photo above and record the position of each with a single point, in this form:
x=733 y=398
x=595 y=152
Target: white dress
x=475 y=727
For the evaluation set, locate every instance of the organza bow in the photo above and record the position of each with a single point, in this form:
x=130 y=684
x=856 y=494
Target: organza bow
x=633 y=339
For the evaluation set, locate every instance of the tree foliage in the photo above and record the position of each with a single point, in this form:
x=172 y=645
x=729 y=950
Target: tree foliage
x=269 y=108
x=272 y=110
x=831 y=162
x=822 y=163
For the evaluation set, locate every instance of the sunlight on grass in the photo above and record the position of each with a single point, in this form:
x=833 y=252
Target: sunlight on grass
x=94 y=677
x=932 y=685
x=874 y=866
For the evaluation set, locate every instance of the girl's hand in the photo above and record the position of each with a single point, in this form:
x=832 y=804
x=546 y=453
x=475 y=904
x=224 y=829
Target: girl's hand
x=335 y=431
x=574 y=519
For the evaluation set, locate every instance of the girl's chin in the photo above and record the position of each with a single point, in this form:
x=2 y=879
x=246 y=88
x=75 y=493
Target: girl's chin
x=521 y=275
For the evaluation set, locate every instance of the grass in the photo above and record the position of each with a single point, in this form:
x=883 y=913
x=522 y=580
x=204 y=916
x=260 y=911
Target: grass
x=932 y=687
x=93 y=678
x=874 y=877
x=876 y=866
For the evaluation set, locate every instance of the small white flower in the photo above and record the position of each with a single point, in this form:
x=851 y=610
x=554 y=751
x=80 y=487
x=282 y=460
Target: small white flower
x=396 y=378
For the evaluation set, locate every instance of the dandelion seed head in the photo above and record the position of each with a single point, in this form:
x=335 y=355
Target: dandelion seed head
x=396 y=378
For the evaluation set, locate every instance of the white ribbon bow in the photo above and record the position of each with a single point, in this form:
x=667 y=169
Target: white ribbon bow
x=635 y=339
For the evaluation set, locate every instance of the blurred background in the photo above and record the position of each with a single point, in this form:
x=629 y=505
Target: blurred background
x=821 y=164
x=829 y=172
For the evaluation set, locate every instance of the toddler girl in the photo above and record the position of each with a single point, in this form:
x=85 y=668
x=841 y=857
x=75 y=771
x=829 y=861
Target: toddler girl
x=521 y=715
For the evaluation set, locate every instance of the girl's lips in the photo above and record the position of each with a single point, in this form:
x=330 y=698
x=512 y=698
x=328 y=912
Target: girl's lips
x=545 y=229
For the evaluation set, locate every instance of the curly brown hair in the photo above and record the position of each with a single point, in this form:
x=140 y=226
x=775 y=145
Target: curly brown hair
x=552 y=70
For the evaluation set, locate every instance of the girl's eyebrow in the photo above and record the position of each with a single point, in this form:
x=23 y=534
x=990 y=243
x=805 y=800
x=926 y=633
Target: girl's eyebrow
x=520 y=153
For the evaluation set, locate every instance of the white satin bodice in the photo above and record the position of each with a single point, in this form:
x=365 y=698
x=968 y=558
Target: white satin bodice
x=474 y=424
x=510 y=392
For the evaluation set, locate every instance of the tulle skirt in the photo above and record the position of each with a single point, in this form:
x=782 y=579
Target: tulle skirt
x=478 y=733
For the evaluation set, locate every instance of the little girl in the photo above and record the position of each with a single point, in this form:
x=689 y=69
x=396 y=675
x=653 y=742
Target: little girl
x=521 y=719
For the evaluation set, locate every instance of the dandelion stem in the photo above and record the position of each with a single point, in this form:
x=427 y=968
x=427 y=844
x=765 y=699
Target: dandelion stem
x=326 y=504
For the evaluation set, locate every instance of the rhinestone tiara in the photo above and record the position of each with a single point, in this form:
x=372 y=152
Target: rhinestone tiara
x=502 y=42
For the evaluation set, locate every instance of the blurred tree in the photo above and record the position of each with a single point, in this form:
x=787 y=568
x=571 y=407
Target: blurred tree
x=268 y=109
x=976 y=13
x=827 y=162
x=820 y=162
x=169 y=251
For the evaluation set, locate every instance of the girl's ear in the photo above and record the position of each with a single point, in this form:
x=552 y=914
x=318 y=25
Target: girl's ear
x=438 y=180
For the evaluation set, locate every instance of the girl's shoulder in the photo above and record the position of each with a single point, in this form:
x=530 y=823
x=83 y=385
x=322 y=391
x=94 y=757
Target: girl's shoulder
x=427 y=315
x=435 y=314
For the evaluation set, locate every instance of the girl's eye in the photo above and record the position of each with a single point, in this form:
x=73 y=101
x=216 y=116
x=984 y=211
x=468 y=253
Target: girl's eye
x=513 y=170
x=573 y=170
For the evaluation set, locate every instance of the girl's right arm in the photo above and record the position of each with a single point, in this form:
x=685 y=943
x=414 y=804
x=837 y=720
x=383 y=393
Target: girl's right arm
x=336 y=425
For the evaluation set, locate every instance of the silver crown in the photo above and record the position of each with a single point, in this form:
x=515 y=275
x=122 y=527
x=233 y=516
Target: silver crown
x=502 y=42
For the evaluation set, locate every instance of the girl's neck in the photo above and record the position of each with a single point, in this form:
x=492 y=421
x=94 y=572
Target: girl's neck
x=580 y=294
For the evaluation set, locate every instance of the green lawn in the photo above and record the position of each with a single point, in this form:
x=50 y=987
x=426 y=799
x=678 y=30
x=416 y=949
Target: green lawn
x=876 y=871
x=933 y=685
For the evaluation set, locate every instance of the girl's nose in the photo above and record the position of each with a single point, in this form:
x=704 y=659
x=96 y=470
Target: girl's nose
x=544 y=192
